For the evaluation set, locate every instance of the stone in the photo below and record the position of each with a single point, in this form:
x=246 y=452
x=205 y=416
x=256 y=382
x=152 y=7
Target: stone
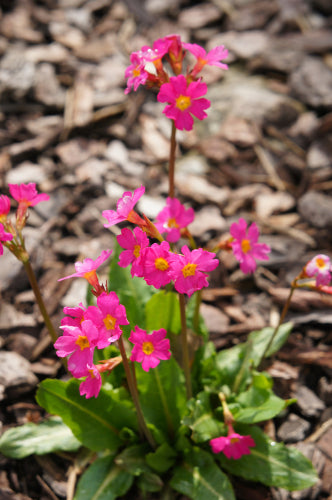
x=294 y=429
x=316 y=209
x=309 y=404
x=16 y=376
x=311 y=82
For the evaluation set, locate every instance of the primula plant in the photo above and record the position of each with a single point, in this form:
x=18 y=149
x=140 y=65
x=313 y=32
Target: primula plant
x=145 y=412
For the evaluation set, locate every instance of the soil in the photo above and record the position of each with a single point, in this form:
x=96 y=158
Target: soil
x=263 y=154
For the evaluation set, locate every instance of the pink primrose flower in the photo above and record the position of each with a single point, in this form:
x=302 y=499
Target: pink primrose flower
x=184 y=101
x=87 y=269
x=233 y=446
x=75 y=316
x=189 y=270
x=246 y=247
x=79 y=344
x=172 y=218
x=4 y=236
x=149 y=349
x=134 y=245
x=90 y=387
x=211 y=58
x=4 y=207
x=135 y=73
x=124 y=209
x=319 y=267
x=157 y=264
x=175 y=52
x=107 y=316
x=26 y=194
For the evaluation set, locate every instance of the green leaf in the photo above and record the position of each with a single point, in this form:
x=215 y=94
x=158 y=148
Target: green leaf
x=132 y=459
x=133 y=293
x=96 y=422
x=162 y=459
x=270 y=463
x=190 y=314
x=257 y=405
x=200 y=478
x=150 y=482
x=261 y=339
x=103 y=481
x=201 y=421
x=163 y=311
x=163 y=396
x=39 y=439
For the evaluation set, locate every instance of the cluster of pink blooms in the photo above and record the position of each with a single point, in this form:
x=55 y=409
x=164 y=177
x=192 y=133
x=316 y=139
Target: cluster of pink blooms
x=320 y=268
x=233 y=445
x=183 y=93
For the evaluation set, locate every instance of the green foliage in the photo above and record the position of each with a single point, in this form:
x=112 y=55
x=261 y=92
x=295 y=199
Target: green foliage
x=162 y=311
x=47 y=437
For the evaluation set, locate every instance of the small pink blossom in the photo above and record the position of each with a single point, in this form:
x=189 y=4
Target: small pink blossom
x=90 y=387
x=189 y=271
x=107 y=316
x=211 y=58
x=87 y=269
x=149 y=349
x=79 y=344
x=233 y=446
x=26 y=194
x=135 y=73
x=319 y=267
x=172 y=218
x=157 y=264
x=4 y=236
x=133 y=245
x=75 y=316
x=246 y=247
x=124 y=209
x=4 y=207
x=184 y=101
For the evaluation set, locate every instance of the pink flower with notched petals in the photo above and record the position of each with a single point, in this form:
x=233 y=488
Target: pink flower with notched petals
x=90 y=387
x=189 y=271
x=4 y=207
x=134 y=244
x=107 y=316
x=184 y=101
x=135 y=73
x=75 y=316
x=211 y=58
x=26 y=194
x=233 y=446
x=78 y=343
x=172 y=218
x=4 y=236
x=246 y=247
x=149 y=349
x=319 y=267
x=87 y=269
x=157 y=264
x=124 y=209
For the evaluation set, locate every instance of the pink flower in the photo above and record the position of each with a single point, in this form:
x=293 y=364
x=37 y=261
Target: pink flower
x=107 y=316
x=246 y=247
x=211 y=58
x=189 y=270
x=26 y=194
x=75 y=316
x=157 y=264
x=149 y=349
x=124 y=209
x=92 y=384
x=172 y=218
x=79 y=344
x=135 y=73
x=133 y=244
x=319 y=267
x=87 y=269
x=4 y=236
x=4 y=207
x=183 y=101
x=233 y=446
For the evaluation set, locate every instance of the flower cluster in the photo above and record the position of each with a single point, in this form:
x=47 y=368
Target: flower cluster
x=183 y=93
x=319 y=267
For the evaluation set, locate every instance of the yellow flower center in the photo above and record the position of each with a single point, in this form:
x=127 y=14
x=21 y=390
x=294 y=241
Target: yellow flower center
x=320 y=263
x=109 y=322
x=245 y=245
x=183 y=102
x=137 y=249
x=147 y=348
x=234 y=440
x=83 y=342
x=161 y=264
x=136 y=72
x=189 y=270
x=172 y=223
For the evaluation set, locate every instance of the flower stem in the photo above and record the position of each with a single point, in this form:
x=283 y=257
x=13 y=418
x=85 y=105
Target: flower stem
x=134 y=394
x=39 y=299
x=164 y=403
x=185 y=350
x=196 y=311
x=171 y=167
